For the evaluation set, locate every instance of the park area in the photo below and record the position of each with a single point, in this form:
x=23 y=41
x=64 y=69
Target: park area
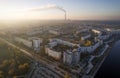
x=13 y=63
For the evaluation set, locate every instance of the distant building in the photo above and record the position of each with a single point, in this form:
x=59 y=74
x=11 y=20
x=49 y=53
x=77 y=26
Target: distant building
x=115 y=32
x=27 y=43
x=54 y=32
x=33 y=32
x=82 y=30
x=96 y=31
x=86 y=37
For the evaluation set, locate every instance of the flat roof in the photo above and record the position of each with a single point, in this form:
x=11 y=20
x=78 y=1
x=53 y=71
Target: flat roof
x=61 y=47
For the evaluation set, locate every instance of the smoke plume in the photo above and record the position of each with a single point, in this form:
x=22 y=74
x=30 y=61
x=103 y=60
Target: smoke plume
x=49 y=7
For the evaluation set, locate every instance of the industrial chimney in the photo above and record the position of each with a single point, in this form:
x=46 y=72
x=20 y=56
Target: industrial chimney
x=65 y=16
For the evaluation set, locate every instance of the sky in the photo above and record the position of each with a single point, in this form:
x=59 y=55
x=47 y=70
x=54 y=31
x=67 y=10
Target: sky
x=46 y=9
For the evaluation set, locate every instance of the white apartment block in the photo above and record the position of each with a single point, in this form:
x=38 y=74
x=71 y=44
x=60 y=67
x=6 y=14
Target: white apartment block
x=52 y=53
x=104 y=37
x=96 y=31
x=115 y=32
x=31 y=43
x=33 y=32
x=62 y=42
x=71 y=57
x=54 y=32
x=86 y=37
x=83 y=30
x=24 y=41
x=91 y=48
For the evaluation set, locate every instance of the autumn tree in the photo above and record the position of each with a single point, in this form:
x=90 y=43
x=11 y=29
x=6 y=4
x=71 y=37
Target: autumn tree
x=67 y=75
x=1 y=74
x=88 y=43
x=11 y=72
x=15 y=77
x=23 y=67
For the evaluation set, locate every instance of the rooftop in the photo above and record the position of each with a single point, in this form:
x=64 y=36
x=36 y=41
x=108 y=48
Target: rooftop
x=61 y=48
x=83 y=34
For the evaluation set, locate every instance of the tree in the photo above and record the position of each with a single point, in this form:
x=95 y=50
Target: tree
x=1 y=73
x=75 y=46
x=11 y=72
x=23 y=67
x=26 y=65
x=9 y=49
x=88 y=43
x=67 y=75
x=12 y=63
x=1 y=76
x=5 y=64
x=15 y=77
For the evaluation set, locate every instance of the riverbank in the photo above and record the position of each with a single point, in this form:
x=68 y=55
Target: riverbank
x=111 y=44
x=97 y=67
x=111 y=67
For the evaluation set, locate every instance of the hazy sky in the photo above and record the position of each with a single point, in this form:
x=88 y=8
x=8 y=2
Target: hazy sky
x=76 y=9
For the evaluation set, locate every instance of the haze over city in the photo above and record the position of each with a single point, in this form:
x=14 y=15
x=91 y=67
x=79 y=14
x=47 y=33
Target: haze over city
x=75 y=9
x=59 y=38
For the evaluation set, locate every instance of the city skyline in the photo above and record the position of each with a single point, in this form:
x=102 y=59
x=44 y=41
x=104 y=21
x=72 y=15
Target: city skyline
x=76 y=10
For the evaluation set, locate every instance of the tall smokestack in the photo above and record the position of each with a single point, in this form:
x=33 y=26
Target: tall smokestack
x=65 y=16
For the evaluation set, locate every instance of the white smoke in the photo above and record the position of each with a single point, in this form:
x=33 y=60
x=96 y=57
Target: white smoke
x=49 y=6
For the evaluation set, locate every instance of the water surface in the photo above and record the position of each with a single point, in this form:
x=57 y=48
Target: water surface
x=111 y=66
